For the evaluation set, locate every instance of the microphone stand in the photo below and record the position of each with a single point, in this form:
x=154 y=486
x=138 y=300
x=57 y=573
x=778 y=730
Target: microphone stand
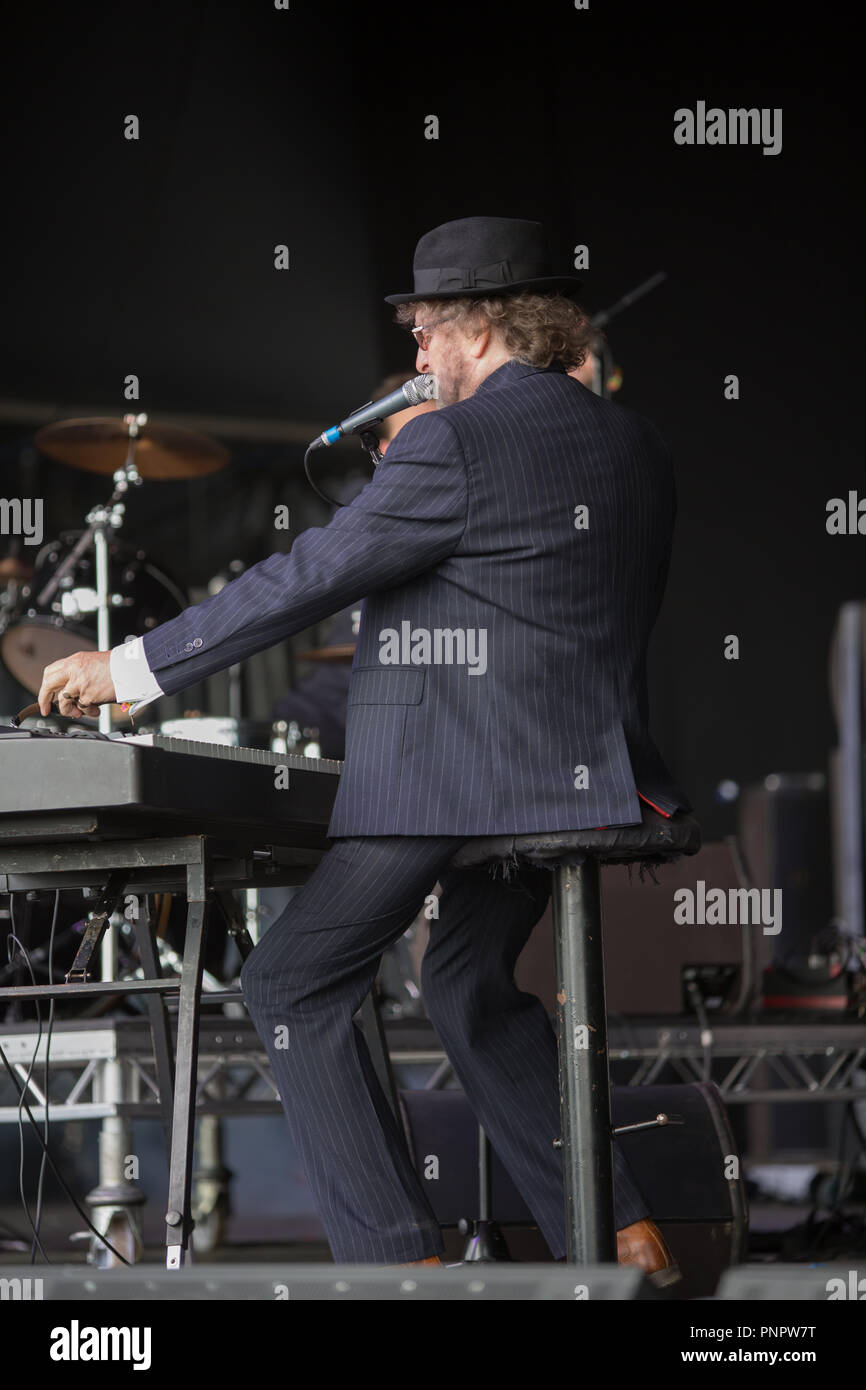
x=602 y=366
x=604 y=316
x=603 y=358
x=370 y=440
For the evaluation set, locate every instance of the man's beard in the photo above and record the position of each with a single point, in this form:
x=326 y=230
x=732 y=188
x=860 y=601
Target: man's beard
x=452 y=383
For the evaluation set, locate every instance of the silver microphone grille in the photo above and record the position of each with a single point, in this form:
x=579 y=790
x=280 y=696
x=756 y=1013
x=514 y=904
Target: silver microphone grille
x=420 y=389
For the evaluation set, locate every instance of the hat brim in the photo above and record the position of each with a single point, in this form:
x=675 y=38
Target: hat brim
x=550 y=284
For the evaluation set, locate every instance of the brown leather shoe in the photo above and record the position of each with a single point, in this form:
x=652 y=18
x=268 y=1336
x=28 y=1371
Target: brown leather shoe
x=642 y=1244
x=433 y=1260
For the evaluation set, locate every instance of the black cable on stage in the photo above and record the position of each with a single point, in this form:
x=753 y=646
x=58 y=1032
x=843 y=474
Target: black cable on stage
x=815 y=1230
x=47 y=1078
x=852 y=1104
x=55 y=1170
x=10 y=939
x=843 y=1190
x=48 y=1157
x=8 y=1233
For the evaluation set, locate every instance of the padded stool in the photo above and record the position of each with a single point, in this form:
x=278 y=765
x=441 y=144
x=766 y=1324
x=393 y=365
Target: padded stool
x=574 y=857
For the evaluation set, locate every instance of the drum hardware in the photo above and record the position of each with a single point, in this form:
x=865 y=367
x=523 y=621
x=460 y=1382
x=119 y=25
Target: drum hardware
x=161 y=452
x=289 y=737
x=15 y=574
x=131 y=451
x=102 y=519
x=109 y=515
x=12 y=568
x=172 y=964
x=52 y=616
x=33 y=637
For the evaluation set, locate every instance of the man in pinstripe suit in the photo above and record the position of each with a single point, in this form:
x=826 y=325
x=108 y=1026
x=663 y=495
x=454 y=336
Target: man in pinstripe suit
x=528 y=510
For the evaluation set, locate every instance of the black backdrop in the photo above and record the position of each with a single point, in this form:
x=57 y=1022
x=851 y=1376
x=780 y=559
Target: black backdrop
x=306 y=127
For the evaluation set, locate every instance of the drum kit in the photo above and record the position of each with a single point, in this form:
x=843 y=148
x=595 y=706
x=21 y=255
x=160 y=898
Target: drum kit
x=88 y=591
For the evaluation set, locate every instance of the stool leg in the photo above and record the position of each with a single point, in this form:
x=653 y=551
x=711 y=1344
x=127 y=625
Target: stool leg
x=584 y=1081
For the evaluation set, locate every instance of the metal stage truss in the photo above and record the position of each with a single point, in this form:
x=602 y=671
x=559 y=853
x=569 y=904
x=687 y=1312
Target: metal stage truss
x=749 y=1062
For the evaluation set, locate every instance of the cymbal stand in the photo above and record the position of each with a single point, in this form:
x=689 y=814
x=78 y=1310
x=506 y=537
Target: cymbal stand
x=116 y=1199
x=102 y=519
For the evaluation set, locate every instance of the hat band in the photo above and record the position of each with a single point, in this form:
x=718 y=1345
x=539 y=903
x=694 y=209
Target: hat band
x=479 y=277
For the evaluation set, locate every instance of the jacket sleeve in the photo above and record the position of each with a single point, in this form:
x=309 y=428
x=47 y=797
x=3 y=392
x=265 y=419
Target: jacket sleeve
x=409 y=518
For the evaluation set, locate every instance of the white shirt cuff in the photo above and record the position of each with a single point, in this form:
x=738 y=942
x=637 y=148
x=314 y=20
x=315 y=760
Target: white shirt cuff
x=133 y=680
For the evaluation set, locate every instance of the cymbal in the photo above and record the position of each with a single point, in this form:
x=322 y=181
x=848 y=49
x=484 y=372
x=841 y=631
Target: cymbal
x=161 y=451
x=14 y=568
x=339 y=652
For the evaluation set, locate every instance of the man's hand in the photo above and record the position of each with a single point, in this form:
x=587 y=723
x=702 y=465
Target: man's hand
x=81 y=683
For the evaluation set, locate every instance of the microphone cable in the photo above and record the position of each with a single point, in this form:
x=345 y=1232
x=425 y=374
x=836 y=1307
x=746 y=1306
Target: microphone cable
x=317 y=490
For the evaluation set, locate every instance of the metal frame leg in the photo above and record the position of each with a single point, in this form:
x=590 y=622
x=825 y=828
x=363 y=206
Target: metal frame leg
x=178 y=1218
x=160 y=1033
x=584 y=1080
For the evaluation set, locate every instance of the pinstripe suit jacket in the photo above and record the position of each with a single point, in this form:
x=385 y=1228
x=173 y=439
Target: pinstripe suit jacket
x=470 y=527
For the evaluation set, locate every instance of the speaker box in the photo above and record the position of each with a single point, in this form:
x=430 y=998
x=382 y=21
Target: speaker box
x=784 y=831
x=680 y=1167
x=646 y=953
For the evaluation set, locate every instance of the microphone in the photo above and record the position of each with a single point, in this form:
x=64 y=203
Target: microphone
x=415 y=392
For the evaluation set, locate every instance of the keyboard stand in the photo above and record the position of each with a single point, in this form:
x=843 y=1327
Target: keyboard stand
x=195 y=864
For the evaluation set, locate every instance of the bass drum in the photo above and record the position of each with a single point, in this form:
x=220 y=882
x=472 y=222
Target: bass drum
x=50 y=622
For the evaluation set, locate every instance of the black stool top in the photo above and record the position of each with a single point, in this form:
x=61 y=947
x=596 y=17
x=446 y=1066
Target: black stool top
x=657 y=839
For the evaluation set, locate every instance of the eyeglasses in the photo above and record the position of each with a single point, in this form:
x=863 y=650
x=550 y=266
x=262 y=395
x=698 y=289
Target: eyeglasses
x=422 y=334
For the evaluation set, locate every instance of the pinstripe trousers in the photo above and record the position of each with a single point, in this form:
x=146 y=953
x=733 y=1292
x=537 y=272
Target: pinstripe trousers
x=310 y=973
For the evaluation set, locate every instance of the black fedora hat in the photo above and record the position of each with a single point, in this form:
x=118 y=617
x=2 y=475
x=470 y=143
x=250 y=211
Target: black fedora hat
x=484 y=256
